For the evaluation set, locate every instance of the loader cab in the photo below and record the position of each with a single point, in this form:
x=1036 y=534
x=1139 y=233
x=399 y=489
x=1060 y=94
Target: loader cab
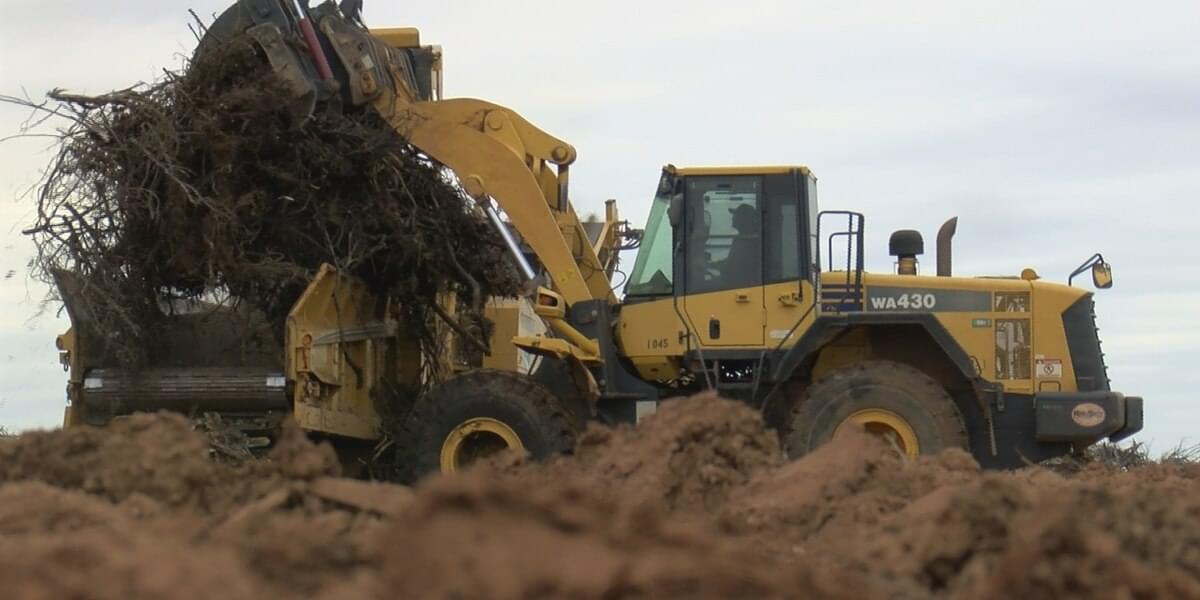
x=713 y=229
x=733 y=249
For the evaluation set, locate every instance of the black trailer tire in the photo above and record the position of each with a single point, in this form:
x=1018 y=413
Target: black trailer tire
x=478 y=412
x=912 y=408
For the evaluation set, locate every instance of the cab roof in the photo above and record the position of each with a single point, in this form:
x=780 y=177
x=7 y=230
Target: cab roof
x=745 y=170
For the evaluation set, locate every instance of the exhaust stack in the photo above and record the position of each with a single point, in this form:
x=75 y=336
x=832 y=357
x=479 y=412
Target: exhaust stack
x=945 y=239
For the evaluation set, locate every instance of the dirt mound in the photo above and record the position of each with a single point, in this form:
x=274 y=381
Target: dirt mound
x=298 y=543
x=483 y=538
x=855 y=484
x=110 y=505
x=690 y=455
x=952 y=540
x=934 y=527
x=35 y=507
x=94 y=565
x=295 y=457
x=693 y=503
x=156 y=456
x=1071 y=548
x=156 y=459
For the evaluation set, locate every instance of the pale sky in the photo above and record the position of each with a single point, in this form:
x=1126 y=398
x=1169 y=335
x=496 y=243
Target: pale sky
x=1052 y=129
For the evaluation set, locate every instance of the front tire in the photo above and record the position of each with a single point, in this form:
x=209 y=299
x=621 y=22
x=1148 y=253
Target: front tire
x=886 y=398
x=476 y=415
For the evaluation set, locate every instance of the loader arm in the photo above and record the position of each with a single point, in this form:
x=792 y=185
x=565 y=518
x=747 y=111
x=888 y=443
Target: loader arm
x=497 y=154
x=494 y=152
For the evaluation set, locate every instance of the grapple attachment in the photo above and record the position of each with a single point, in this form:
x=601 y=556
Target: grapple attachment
x=323 y=55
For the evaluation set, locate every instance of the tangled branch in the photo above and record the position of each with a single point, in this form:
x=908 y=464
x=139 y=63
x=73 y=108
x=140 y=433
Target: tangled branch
x=205 y=183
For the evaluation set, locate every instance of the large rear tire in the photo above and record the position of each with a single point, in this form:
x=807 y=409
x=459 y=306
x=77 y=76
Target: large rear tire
x=479 y=414
x=886 y=398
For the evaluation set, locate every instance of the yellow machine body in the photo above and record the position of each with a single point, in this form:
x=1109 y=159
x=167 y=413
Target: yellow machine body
x=731 y=290
x=1014 y=334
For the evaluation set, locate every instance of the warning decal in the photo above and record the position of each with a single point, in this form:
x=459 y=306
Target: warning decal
x=1048 y=368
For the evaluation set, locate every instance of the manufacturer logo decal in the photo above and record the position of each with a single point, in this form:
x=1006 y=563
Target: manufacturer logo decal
x=1088 y=414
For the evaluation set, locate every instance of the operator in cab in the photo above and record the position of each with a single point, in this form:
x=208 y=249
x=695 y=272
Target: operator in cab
x=741 y=266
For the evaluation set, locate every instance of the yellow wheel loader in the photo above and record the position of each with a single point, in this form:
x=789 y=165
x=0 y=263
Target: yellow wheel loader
x=740 y=285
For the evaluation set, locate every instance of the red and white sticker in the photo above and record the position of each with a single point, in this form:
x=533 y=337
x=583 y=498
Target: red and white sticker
x=1048 y=368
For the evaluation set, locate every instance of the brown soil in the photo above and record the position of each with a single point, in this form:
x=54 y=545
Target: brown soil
x=694 y=503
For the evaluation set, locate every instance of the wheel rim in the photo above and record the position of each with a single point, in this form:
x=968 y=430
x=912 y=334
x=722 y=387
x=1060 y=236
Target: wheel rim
x=886 y=424
x=475 y=439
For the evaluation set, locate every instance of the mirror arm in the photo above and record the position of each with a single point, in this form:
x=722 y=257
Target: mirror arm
x=1087 y=264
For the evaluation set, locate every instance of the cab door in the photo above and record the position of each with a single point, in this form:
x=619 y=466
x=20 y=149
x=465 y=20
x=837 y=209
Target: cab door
x=789 y=254
x=722 y=254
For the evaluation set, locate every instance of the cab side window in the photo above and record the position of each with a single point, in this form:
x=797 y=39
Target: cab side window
x=782 y=258
x=724 y=233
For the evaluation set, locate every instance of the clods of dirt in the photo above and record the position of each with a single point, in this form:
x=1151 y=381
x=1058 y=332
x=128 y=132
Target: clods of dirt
x=477 y=537
x=696 y=502
x=690 y=455
x=152 y=460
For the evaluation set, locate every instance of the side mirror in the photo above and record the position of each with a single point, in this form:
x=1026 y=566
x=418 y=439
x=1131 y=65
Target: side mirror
x=675 y=210
x=1101 y=272
x=1102 y=275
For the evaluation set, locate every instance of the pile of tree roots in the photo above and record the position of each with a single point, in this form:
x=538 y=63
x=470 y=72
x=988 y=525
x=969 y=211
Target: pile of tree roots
x=206 y=185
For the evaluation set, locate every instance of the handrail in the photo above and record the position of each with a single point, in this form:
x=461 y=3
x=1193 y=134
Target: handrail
x=854 y=232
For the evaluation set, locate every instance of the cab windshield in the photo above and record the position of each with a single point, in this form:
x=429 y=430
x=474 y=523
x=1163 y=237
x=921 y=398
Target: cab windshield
x=651 y=275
